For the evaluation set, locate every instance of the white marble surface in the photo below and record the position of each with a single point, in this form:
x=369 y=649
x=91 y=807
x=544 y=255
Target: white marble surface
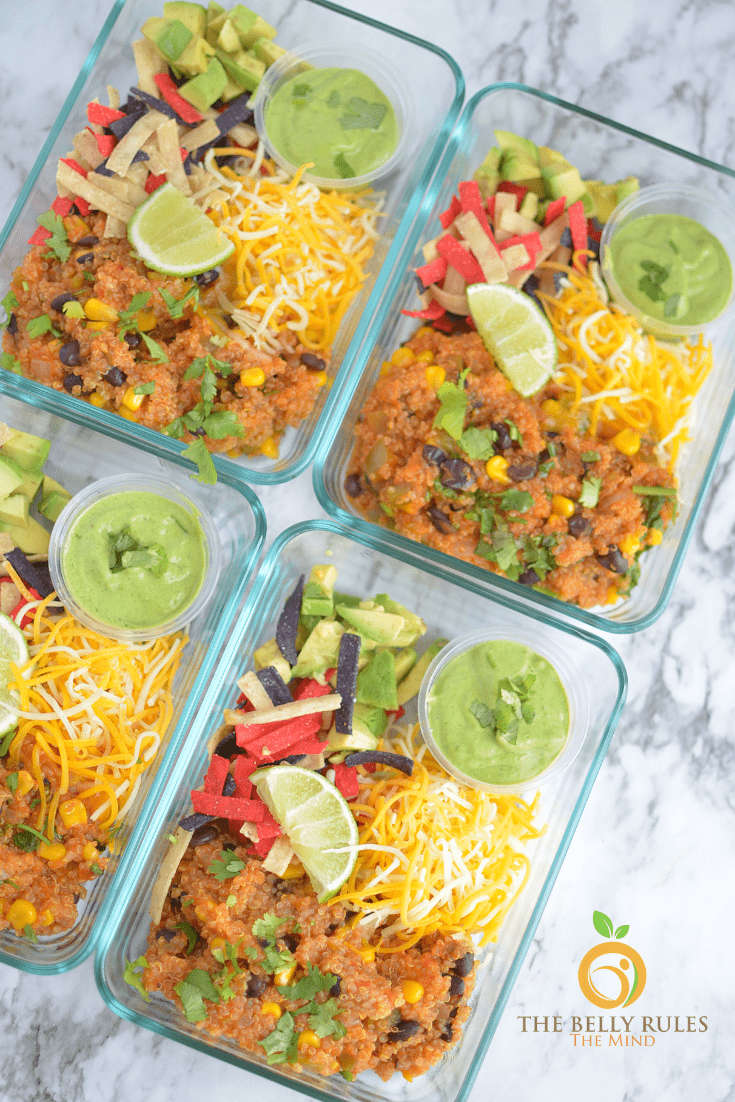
x=656 y=844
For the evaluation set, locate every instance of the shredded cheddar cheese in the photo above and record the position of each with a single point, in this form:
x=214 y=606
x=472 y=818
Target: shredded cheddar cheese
x=299 y=252
x=91 y=711
x=435 y=854
x=617 y=375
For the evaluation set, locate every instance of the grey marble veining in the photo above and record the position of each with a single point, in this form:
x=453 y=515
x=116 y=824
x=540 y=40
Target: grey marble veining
x=655 y=847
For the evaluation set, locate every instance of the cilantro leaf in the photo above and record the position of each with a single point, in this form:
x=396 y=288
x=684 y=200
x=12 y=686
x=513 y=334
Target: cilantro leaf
x=226 y=866
x=650 y=283
x=12 y=782
x=27 y=838
x=195 y=368
x=9 y=363
x=175 y=305
x=267 y=926
x=362 y=115
x=514 y=432
x=451 y=413
x=29 y=932
x=590 y=494
x=198 y=454
x=478 y=443
x=590 y=457
x=9 y=302
x=133 y=973
x=58 y=242
x=516 y=501
x=36 y=327
x=208 y=387
x=191 y=934
x=281 y=1044
x=340 y=163
x=482 y=713
x=145 y=388
x=322 y=1019
x=73 y=309
x=193 y=990
x=310 y=985
x=221 y=423
x=157 y=353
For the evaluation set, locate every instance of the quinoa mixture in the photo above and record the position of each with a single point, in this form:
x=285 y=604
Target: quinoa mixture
x=260 y=939
x=533 y=498
x=105 y=356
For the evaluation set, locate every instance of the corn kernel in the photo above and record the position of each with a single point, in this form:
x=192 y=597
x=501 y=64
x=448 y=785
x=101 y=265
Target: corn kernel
x=46 y=917
x=612 y=595
x=654 y=537
x=25 y=783
x=147 y=320
x=271 y=1008
x=412 y=991
x=21 y=913
x=320 y=378
x=308 y=1039
x=252 y=376
x=72 y=812
x=285 y=975
x=496 y=468
x=269 y=448
x=217 y=943
x=367 y=952
x=132 y=400
x=201 y=912
x=98 y=326
x=551 y=407
x=293 y=872
x=562 y=506
x=385 y=367
x=90 y=852
x=627 y=441
x=97 y=400
x=402 y=357
x=435 y=376
x=426 y=357
x=424 y=331
x=51 y=851
x=127 y=414
x=97 y=310
x=630 y=544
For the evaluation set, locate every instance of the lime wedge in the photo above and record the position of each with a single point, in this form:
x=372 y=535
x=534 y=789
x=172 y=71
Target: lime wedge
x=317 y=819
x=516 y=333
x=172 y=235
x=13 y=648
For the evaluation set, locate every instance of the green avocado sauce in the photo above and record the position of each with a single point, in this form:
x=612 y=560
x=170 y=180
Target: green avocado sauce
x=672 y=268
x=499 y=712
x=337 y=118
x=135 y=559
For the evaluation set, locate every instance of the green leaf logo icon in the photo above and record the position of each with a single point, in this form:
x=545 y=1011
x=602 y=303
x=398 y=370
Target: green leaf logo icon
x=621 y=931
x=603 y=924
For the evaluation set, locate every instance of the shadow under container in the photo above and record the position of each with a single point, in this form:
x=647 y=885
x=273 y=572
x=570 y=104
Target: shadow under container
x=449 y=608
x=435 y=88
x=79 y=456
x=601 y=150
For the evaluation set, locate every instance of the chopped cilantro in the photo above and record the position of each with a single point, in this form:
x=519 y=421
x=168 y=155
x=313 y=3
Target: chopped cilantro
x=310 y=985
x=198 y=454
x=29 y=932
x=544 y=468
x=175 y=305
x=191 y=934
x=193 y=990
x=551 y=449
x=226 y=866
x=58 y=242
x=281 y=1044
x=73 y=309
x=590 y=457
x=650 y=283
x=517 y=501
x=125 y=551
x=478 y=443
x=322 y=1018
x=514 y=432
x=231 y=900
x=340 y=163
x=590 y=494
x=36 y=327
x=96 y=869
x=11 y=882
x=502 y=550
x=157 y=354
x=8 y=303
x=334 y=98
x=362 y=115
x=482 y=713
x=133 y=975
x=451 y=413
x=655 y=491
x=9 y=363
x=145 y=388
x=12 y=781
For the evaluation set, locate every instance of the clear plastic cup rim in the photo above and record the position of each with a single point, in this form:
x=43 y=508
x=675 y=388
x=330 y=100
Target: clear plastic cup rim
x=119 y=484
x=685 y=199
x=572 y=682
x=340 y=55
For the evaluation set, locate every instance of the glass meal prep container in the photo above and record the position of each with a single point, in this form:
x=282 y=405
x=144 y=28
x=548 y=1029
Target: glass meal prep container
x=435 y=88
x=450 y=607
x=81 y=455
x=601 y=150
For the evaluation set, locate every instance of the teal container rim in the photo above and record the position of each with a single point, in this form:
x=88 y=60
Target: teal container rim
x=251 y=621
x=191 y=705
x=400 y=544
x=148 y=437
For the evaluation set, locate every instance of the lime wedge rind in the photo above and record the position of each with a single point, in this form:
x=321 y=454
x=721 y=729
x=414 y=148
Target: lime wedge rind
x=173 y=236
x=516 y=333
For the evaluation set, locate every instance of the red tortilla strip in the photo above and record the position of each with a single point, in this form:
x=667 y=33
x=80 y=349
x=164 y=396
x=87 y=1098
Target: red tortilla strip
x=444 y=324
x=554 y=210
x=432 y=312
x=532 y=243
x=228 y=807
x=214 y=780
x=432 y=272
x=39 y=236
x=62 y=205
x=154 y=182
x=578 y=227
x=471 y=197
x=268 y=827
x=101 y=115
x=263 y=848
x=82 y=205
x=514 y=189
x=460 y=258
x=447 y=216
x=241 y=776
x=168 y=90
x=346 y=780
x=308 y=689
x=73 y=165
x=105 y=143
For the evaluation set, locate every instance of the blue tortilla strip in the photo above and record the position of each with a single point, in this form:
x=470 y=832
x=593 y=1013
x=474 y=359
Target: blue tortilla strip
x=381 y=757
x=288 y=624
x=156 y=104
x=120 y=127
x=141 y=155
x=274 y=685
x=349 y=653
x=237 y=112
x=34 y=574
x=195 y=820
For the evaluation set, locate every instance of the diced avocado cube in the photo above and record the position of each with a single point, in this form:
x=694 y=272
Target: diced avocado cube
x=374 y=719
x=52 y=504
x=488 y=174
x=230 y=91
x=216 y=17
x=31 y=537
x=173 y=39
x=359 y=738
x=14 y=509
x=411 y=684
x=228 y=39
x=30 y=484
x=522 y=170
x=625 y=187
x=267 y=51
x=548 y=156
x=269 y=654
x=405 y=659
x=320 y=652
x=29 y=451
x=381 y=627
x=413 y=628
x=153 y=27
x=506 y=139
x=195 y=57
x=248 y=77
x=563 y=180
x=204 y=89
x=250 y=26
x=318 y=596
x=346 y=599
x=529 y=205
x=376 y=684
x=11 y=476
x=193 y=16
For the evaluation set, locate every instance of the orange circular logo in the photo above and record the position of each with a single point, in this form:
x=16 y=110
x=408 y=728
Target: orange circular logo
x=631 y=984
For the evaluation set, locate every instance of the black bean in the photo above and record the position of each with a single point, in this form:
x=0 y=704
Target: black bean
x=256 y=986
x=227 y=746
x=433 y=454
x=263 y=942
x=12 y=325
x=407 y=1027
x=529 y=577
x=229 y=846
x=195 y=820
x=69 y=354
x=446 y=1033
x=353 y=485
x=523 y=469
x=132 y=339
x=503 y=442
x=88 y=241
x=166 y=934
x=205 y=278
x=456 y=987
x=578 y=526
x=291 y=941
x=440 y=520
x=455 y=474
x=336 y=987
x=463 y=965
x=59 y=301
x=70 y=381
x=115 y=377
x=230 y=787
x=230 y=321
x=203 y=834
x=614 y=560
x=85 y=258
x=314 y=363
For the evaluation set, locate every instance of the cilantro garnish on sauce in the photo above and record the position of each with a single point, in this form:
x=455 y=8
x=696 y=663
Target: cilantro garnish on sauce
x=362 y=115
x=451 y=413
x=226 y=866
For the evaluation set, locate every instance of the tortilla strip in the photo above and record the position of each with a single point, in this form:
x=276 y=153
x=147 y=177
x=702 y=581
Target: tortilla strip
x=167 y=871
x=430 y=251
x=114 y=97
x=515 y=256
x=516 y=223
x=122 y=155
x=148 y=62
x=279 y=856
x=167 y=135
x=114 y=227
x=6 y=544
x=307 y=707
x=138 y=174
x=454 y=303
x=124 y=190
x=9 y=597
x=243 y=134
x=203 y=134
x=254 y=691
x=97 y=197
x=482 y=247
x=86 y=149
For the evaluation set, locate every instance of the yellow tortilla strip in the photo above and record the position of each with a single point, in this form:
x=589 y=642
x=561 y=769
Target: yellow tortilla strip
x=515 y=223
x=114 y=227
x=96 y=196
x=86 y=149
x=283 y=712
x=125 y=190
x=515 y=256
x=167 y=871
x=206 y=132
x=482 y=248
x=122 y=155
x=454 y=303
x=243 y=134
x=167 y=136
x=114 y=97
x=279 y=856
x=254 y=691
x=148 y=62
